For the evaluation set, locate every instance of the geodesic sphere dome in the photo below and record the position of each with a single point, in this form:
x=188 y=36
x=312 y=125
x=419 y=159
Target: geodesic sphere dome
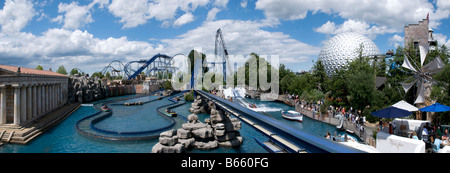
x=344 y=47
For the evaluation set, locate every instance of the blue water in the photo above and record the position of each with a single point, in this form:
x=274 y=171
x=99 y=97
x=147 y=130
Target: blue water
x=63 y=138
x=135 y=118
x=308 y=125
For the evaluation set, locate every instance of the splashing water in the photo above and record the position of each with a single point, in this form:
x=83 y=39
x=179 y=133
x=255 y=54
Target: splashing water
x=240 y=93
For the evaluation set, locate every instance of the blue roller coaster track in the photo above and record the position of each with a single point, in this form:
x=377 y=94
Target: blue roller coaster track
x=146 y=64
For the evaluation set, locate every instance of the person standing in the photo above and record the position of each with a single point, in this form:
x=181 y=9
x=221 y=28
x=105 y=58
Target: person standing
x=380 y=123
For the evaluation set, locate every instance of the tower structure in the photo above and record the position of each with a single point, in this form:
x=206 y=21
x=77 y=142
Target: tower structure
x=419 y=34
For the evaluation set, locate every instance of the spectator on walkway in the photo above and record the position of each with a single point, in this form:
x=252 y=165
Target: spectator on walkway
x=380 y=123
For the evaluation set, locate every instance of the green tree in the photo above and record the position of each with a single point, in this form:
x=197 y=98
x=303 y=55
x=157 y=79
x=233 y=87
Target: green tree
x=191 y=57
x=441 y=92
x=360 y=82
x=39 y=67
x=97 y=74
x=74 y=71
x=337 y=87
x=167 y=85
x=61 y=70
x=320 y=76
x=189 y=97
x=254 y=61
x=108 y=75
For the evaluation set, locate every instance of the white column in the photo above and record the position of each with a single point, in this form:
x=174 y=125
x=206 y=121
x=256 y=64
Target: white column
x=39 y=99
x=52 y=92
x=50 y=98
x=29 y=102
x=43 y=107
x=59 y=95
x=55 y=99
x=47 y=95
x=35 y=101
x=2 y=105
x=23 y=104
x=16 y=105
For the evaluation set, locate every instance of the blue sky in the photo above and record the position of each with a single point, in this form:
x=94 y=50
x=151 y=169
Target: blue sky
x=88 y=34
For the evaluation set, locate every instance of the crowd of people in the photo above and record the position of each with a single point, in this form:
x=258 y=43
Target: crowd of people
x=433 y=137
x=350 y=115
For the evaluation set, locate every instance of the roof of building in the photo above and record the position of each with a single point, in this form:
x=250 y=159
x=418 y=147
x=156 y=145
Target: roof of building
x=13 y=69
x=379 y=81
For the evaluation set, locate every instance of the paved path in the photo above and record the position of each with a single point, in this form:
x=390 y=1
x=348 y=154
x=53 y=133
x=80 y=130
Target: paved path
x=366 y=135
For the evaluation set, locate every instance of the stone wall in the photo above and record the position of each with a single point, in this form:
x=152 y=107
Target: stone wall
x=85 y=89
x=417 y=33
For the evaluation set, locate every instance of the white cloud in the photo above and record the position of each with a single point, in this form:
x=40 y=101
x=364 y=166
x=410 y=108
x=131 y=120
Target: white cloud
x=244 y=3
x=390 y=13
x=356 y=26
x=75 y=16
x=442 y=39
x=131 y=13
x=442 y=12
x=284 y=9
x=221 y=3
x=15 y=15
x=396 y=40
x=139 y=12
x=184 y=19
x=90 y=53
x=243 y=38
x=71 y=48
x=212 y=14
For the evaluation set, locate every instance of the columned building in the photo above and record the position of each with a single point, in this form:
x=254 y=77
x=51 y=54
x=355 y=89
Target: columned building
x=27 y=94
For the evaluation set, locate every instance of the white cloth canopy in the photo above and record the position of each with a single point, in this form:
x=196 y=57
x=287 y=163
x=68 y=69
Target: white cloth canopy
x=405 y=106
x=423 y=53
x=407 y=64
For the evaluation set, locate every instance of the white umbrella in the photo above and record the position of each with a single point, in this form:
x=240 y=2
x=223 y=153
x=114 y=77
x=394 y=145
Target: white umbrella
x=405 y=106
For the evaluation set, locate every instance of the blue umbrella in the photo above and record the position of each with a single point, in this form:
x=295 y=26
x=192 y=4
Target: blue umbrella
x=391 y=112
x=437 y=107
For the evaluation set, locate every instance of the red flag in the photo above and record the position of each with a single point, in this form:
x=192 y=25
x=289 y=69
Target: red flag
x=428 y=16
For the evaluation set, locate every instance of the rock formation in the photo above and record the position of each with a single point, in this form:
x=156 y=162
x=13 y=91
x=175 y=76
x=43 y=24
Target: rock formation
x=218 y=130
x=85 y=89
x=225 y=128
x=169 y=143
x=197 y=106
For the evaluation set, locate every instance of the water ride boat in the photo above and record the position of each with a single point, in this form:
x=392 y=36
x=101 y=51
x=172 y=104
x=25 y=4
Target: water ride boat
x=292 y=115
x=171 y=113
x=253 y=106
x=105 y=108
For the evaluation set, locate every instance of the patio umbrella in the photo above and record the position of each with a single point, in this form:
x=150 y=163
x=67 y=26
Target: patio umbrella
x=391 y=112
x=437 y=107
x=406 y=106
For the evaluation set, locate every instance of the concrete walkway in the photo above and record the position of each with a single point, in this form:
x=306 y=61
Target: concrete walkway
x=365 y=135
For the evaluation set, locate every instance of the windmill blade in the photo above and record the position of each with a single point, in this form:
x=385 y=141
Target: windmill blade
x=434 y=66
x=407 y=64
x=421 y=95
x=423 y=53
x=407 y=86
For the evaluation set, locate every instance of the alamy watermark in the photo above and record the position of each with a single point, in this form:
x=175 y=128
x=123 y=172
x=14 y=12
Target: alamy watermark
x=226 y=72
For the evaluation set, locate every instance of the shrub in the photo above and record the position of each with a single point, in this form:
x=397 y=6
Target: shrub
x=189 y=97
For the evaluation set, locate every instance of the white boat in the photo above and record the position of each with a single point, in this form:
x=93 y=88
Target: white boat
x=292 y=115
